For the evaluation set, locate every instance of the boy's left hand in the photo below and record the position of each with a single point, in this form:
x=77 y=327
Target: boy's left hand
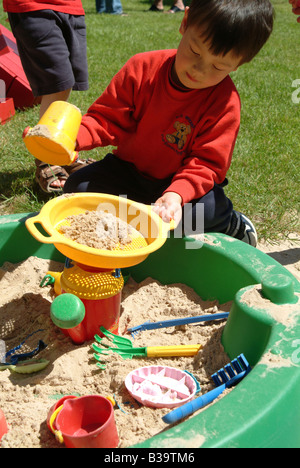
x=168 y=207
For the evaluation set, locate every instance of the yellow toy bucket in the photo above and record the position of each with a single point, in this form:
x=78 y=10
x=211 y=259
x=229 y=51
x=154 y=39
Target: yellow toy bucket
x=53 y=140
x=152 y=231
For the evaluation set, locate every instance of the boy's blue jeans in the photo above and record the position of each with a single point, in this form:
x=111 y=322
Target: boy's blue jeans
x=113 y=7
x=116 y=177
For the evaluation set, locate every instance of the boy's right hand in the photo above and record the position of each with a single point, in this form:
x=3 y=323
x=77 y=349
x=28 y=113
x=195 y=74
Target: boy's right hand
x=168 y=207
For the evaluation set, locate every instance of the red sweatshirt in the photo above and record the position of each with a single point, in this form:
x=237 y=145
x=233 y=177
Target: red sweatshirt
x=72 y=7
x=165 y=131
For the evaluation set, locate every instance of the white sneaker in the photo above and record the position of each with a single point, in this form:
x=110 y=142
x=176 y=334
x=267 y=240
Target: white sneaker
x=242 y=228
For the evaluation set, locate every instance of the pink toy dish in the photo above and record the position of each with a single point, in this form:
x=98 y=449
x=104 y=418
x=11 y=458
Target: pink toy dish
x=160 y=386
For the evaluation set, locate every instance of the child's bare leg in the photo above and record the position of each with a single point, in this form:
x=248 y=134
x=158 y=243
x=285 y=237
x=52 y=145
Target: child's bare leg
x=49 y=98
x=179 y=4
x=159 y=4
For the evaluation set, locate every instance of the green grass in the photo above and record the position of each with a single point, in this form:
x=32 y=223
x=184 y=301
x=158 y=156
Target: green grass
x=264 y=176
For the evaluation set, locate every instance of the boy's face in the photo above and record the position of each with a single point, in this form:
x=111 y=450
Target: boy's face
x=195 y=66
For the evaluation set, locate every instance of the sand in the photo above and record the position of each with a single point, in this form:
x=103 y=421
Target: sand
x=99 y=230
x=26 y=399
x=24 y=310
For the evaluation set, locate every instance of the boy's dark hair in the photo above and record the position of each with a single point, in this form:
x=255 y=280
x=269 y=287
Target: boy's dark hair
x=239 y=26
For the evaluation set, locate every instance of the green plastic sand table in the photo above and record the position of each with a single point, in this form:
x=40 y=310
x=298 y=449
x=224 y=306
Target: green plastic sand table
x=263 y=410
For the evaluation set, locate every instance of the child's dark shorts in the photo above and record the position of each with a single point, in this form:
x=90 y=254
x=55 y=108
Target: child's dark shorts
x=52 y=48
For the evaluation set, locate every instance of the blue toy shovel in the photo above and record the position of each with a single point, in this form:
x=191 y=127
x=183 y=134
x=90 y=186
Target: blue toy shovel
x=226 y=377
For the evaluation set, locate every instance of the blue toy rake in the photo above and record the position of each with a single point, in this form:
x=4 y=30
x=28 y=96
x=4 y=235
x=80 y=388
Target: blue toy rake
x=175 y=322
x=226 y=377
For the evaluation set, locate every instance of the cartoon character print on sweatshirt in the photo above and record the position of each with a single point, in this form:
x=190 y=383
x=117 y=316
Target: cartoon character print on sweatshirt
x=178 y=135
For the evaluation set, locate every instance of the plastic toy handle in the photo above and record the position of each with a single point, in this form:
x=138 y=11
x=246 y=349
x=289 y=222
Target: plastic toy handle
x=192 y=406
x=165 y=227
x=56 y=275
x=57 y=433
x=51 y=239
x=165 y=351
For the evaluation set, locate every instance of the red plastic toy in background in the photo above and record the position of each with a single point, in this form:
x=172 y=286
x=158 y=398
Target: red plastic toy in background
x=7 y=110
x=12 y=73
x=3 y=425
x=7 y=41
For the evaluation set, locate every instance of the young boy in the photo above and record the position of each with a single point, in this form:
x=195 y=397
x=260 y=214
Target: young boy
x=174 y=117
x=51 y=39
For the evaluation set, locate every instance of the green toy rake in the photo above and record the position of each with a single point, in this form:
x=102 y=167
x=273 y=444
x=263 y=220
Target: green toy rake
x=125 y=349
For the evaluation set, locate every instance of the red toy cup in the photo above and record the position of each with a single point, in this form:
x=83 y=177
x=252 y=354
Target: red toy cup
x=85 y=422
